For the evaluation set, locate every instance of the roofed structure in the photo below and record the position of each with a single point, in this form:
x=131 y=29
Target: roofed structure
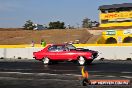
x=113 y=6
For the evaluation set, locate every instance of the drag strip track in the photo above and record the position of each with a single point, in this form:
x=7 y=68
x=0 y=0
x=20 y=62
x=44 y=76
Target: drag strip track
x=27 y=74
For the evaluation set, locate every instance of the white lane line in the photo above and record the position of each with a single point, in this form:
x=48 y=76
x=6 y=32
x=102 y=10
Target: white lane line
x=126 y=72
x=58 y=80
x=72 y=75
x=15 y=73
x=129 y=77
x=46 y=69
x=110 y=76
x=56 y=70
x=7 y=78
x=98 y=75
x=39 y=74
x=94 y=71
x=42 y=74
x=13 y=78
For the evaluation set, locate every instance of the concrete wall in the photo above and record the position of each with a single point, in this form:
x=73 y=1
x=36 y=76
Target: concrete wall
x=14 y=53
x=112 y=52
x=106 y=52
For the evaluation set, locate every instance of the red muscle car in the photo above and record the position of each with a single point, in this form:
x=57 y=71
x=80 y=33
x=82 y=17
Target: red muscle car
x=65 y=52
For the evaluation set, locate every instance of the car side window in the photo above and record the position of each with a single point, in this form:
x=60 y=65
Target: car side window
x=56 y=48
x=67 y=49
x=60 y=48
x=52 y=48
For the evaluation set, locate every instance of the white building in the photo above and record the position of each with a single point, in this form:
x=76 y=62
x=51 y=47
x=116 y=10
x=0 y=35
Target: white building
x=38 y=27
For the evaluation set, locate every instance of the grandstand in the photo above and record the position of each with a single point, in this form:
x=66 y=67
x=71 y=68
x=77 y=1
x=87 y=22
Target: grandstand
x=115 y=15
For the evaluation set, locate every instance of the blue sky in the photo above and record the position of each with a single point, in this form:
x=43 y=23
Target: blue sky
x=14 y=13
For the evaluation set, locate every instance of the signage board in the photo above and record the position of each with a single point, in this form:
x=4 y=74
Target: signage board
x=116 y=15
x=111 y=32
x=128 y=31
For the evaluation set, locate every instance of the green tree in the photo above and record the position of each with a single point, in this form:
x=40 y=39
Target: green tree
x=29 y=25
x=57 y=25
x=86 y=23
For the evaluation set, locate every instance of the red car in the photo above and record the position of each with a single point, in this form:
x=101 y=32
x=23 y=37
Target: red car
x=65 y=52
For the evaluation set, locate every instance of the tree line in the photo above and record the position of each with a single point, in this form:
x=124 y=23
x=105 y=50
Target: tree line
x=86 y=23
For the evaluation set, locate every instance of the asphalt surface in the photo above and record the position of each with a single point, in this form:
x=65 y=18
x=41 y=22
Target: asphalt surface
x=33 y=74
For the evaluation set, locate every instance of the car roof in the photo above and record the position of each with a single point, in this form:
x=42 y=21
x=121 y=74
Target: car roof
x=61 y=44
x=58 y=44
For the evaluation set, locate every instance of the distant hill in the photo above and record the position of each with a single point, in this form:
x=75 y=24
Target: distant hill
x=10 y=36
x=19 y=36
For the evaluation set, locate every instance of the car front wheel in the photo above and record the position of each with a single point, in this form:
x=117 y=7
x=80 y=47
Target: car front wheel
x=81 y=60
x=46 y=61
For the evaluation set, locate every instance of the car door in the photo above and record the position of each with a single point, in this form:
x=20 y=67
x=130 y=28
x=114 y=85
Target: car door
x=52 y=52
x=66 y=54
x=56 y=52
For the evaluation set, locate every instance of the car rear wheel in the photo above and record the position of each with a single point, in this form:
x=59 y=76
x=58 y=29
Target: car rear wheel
x=81 y=60
x=46 y=61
